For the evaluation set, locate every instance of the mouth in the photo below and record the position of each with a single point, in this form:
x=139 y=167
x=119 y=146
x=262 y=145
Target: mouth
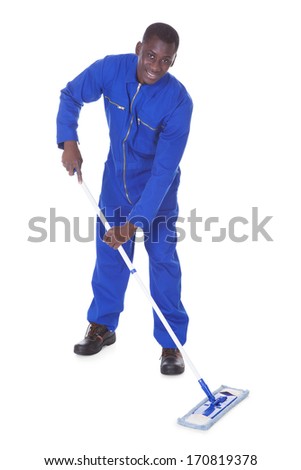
x=152 y=76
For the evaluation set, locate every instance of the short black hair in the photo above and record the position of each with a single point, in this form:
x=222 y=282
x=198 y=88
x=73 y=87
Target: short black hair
x=164 y=31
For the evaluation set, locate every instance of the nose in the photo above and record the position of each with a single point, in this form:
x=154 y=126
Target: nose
x=156 y=66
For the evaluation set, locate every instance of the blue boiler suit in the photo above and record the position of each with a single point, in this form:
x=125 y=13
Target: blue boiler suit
x=148 y=127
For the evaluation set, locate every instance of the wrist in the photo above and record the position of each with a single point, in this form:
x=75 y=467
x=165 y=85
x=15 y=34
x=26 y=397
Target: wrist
x=70 y=144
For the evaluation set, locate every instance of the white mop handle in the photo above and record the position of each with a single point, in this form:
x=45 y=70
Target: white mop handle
x=139 y=280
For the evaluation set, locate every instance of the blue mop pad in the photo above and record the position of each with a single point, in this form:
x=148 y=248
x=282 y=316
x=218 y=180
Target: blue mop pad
x=208 y=411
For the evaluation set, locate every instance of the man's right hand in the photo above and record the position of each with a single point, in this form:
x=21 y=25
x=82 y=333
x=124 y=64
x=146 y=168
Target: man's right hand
x=72 y=159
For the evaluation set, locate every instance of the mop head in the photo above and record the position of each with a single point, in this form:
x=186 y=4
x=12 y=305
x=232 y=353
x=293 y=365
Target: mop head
x=206 y=413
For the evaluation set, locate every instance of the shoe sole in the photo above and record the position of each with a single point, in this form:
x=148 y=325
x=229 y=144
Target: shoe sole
x=82 y=351
x=171 y=371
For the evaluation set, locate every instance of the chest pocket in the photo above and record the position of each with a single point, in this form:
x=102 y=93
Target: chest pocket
x=146 y=137
x=115 y=113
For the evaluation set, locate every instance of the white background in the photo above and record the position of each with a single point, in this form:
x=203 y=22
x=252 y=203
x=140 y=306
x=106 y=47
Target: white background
x=240 y=61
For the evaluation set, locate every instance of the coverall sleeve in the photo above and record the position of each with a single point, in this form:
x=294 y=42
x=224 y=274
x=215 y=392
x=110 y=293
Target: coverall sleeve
x=170 y=149
x=85 y=88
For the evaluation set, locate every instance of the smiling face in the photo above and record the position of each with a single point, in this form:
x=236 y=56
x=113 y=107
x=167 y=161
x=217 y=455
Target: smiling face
x=154 y=59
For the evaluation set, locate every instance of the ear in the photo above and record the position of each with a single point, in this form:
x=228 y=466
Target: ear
x=138 y=47
x=173 y=60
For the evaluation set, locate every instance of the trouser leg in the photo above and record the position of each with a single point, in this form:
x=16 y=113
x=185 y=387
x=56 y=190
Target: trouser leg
x=165 y=282
x=109 y=281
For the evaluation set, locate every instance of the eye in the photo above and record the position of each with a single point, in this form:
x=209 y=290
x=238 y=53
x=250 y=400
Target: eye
x=166 y=61
x=150 y=56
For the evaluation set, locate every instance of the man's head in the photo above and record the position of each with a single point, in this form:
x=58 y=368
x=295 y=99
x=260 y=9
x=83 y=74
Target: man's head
x=156 y=53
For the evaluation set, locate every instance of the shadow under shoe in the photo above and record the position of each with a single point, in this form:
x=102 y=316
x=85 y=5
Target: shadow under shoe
x=172 y=362
x=96 y=337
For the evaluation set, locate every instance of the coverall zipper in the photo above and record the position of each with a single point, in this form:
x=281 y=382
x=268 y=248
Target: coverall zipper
x=123 y=145
x=115 y=104
x=147 y=125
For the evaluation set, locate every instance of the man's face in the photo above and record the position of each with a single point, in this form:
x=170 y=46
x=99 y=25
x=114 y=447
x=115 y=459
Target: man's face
x=154 y=59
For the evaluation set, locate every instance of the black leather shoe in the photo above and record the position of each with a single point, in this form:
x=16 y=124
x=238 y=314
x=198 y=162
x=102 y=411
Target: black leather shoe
x=96 y=337
x=172 y=362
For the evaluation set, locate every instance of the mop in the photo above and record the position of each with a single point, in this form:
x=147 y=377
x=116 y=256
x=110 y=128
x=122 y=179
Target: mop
x=216 y=403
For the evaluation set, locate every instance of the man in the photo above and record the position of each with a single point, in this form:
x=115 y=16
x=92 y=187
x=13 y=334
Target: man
x=148 y=113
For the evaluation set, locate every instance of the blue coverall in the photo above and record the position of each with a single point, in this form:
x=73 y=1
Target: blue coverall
x=148 y=126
